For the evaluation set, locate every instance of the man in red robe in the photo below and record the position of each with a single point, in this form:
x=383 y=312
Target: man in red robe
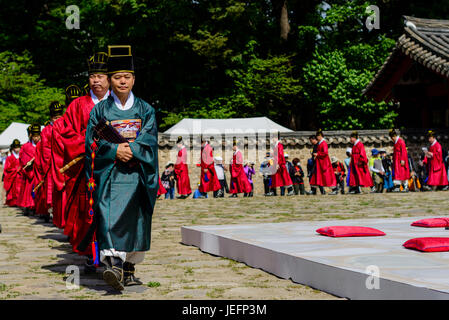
x=437 y=172
x=239 y=180
x=26 y=159
x=72 y=137
x=209 y=180
x=281 y=178
x=323 y=175
x=58 y=198
x=41 y=209
x=43 y=176
x=182 y=171
x=360 y=175
x=12 y=178
x=401 y=169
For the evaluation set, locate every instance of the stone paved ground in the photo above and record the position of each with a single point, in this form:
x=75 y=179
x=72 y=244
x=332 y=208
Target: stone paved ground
x=34 y=255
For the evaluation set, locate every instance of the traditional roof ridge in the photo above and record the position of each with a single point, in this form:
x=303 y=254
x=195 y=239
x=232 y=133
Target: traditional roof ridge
x=425 y=41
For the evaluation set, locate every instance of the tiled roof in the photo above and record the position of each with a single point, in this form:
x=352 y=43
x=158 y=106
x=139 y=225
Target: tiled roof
x=425 y=41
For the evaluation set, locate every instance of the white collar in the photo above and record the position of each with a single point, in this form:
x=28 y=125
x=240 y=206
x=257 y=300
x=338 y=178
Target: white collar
x=434 y=142
x=397 y=139
x=15 y=155
x=321 y=141
x=129 y=101
x=235 y=152
x=94 y=98
x=32 y=142
x=356 y=141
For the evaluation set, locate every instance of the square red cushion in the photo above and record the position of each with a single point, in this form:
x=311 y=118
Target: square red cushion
x=349 y=231
x=432 y=223
x=428 y=244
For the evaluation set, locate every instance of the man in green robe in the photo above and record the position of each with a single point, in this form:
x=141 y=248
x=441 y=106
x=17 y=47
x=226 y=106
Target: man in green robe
x=126 y=174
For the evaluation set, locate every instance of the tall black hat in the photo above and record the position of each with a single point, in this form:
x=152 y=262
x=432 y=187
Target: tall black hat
x=35 y=129
x=72 y=92
x=354 y=134
x=319 y=132
x=56 y=109
x=431 y=133
x=392 y=133
x=234 y=142
x=120 y=59
x=179 y=140
x=98 y=63
x=15 y=144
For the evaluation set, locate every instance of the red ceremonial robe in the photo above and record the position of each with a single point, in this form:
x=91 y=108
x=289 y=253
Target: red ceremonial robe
x=437 y=171
x=46 y=141
x=360 y=175
x=12 y=180
x=281 y=177
x=209 y=180
x=39 y=196
x=239 y=180
x=182 y=173
x=400 y=172
x=27 y=153
x=161 y=189
x=73 y=137
x=57 y=162
x=324 y=173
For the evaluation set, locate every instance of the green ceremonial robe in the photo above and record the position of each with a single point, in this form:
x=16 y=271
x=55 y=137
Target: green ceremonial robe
x=124 y=195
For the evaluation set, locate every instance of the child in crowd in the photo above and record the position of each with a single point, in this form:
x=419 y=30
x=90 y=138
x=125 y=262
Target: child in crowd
x=377 y=171
x=168 y=180
x=266 y=169
x=220 y=170
x=386 y=164
x=249 y=171
x=340 y=174
x=297 y=176
x=288 y=165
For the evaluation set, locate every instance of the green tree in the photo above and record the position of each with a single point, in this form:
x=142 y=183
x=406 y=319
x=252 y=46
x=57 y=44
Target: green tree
x=24 y=97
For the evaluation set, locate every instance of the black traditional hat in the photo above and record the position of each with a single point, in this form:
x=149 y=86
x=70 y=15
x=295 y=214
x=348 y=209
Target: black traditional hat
x=234 y=142
x=319 y=132
x=354 y=134
x=56 y=109
x=120 y=59
x=35 y=129
x=15 y=144
x=431 y=133
x=72 y=92
x=98 y=63
x=179 y=140
x=392 y=133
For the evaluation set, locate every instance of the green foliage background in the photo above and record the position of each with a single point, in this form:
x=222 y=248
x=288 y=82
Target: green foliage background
x=210 y=58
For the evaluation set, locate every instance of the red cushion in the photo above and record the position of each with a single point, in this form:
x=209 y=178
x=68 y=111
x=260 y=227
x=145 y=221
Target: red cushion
x=349 y=231
x=432 y=223
x=428 y=244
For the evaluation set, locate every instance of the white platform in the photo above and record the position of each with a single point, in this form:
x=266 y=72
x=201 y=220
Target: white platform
x=335 y=265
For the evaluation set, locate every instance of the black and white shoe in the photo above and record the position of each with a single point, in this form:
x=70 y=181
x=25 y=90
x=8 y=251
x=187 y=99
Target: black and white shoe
x=113 y=275
x=128 y=274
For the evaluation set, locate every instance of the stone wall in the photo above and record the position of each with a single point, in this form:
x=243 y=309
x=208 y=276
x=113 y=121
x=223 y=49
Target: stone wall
x=296 y=144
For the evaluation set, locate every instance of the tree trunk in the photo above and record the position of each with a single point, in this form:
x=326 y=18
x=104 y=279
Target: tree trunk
x=281 y=14
x=283 y=22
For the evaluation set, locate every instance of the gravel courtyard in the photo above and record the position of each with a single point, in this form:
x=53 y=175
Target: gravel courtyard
x=34 y=255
